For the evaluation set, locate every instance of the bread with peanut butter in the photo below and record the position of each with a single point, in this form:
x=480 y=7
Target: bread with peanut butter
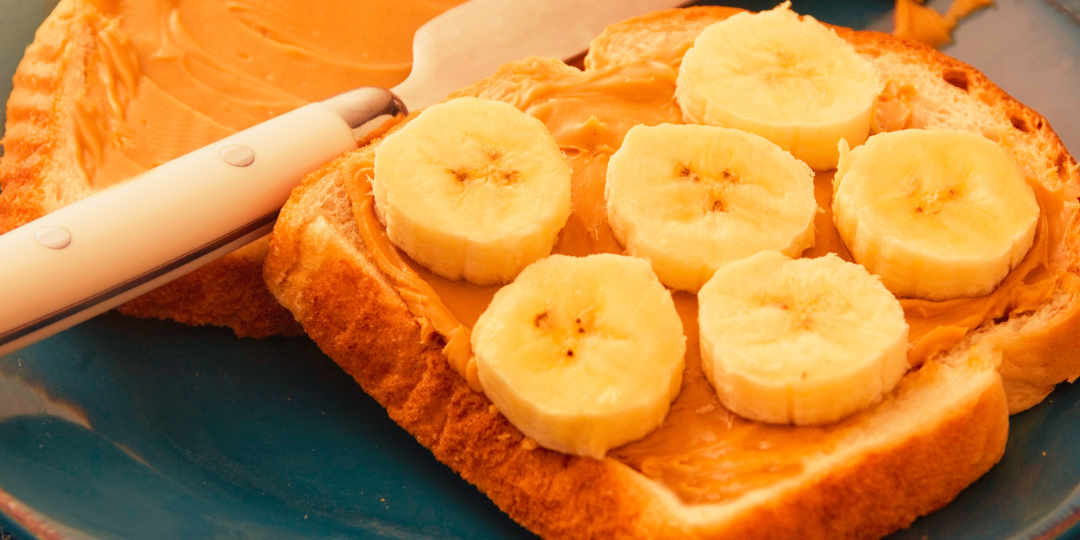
x=109 y=89
x=403 y=332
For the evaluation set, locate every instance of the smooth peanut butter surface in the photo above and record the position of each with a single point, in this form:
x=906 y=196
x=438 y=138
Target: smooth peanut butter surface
x=703 y=452
x=170 y=76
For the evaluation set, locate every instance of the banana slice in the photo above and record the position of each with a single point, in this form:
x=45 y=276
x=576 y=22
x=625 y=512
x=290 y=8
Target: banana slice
x=582 y=354
x=690 y=198
x=937 y=214
x=804 y=341
x=792 y=81
x=472 y=188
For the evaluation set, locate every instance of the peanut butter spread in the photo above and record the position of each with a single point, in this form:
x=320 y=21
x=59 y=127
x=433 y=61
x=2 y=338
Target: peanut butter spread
x=702 y=452
x=922 y=23
x=169 y=76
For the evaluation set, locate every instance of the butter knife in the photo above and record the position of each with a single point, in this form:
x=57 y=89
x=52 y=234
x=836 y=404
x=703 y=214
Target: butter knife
x=115 y=245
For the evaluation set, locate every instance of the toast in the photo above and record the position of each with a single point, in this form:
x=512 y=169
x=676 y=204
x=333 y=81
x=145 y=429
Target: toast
x=385 y=321
x=94 y=103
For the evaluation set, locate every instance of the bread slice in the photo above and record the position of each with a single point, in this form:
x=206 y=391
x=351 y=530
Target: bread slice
x=869 y=475
x=109 y=89
x=40 y=173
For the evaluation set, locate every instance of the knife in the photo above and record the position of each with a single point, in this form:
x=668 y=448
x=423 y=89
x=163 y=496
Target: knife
x=117 y=244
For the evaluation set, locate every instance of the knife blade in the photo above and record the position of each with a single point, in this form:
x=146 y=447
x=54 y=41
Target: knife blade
x=117 y=244
x=468 y=42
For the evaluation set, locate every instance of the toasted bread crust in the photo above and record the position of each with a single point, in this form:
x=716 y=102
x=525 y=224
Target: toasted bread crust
x=31 y=138
x=228 y=292
x=38 y=176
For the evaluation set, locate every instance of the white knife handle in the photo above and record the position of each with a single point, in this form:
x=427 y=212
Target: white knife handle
x=110 y=247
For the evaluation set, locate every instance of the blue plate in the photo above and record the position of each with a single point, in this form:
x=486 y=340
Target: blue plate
x=132 y=429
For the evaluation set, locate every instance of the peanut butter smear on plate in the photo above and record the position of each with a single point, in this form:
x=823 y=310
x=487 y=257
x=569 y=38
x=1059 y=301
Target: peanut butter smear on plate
x=914 y=20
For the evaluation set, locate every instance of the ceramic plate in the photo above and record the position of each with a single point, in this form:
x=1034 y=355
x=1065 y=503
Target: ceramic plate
x=131 y=429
